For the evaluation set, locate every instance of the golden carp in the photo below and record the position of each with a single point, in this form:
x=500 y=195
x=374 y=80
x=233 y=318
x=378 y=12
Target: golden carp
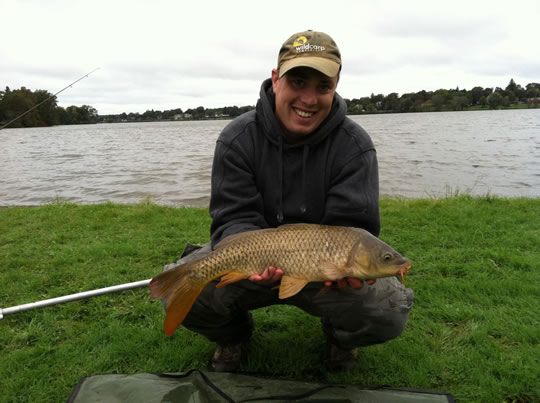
x=305 y=252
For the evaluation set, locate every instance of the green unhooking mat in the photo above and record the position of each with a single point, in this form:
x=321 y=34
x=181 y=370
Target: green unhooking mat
x=196 y=386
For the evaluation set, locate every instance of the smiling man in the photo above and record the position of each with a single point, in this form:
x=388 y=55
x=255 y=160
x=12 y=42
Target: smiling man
x=297 y=159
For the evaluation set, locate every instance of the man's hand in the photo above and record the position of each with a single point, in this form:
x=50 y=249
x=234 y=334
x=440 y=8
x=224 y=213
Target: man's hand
x=349 y=282
x=269 y=276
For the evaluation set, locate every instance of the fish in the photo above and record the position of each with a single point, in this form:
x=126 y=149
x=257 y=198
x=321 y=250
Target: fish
x=305 y=252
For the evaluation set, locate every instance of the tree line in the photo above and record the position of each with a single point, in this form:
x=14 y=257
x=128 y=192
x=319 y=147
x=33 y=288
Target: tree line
x=15 y=102
x=199 y=113
x=449 y=100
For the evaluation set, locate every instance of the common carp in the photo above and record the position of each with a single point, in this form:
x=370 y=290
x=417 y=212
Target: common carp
x=305 y=252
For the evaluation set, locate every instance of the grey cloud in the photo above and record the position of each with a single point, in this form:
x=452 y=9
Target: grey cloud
x=441 y=27
x=527 y=68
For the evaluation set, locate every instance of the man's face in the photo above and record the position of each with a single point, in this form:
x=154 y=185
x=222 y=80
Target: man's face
x=303 y=100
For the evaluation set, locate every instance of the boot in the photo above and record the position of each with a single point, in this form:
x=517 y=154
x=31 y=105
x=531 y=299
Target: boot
x=228 y=358
x=338 y=359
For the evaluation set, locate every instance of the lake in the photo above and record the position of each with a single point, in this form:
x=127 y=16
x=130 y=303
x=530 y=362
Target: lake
x=421 y=155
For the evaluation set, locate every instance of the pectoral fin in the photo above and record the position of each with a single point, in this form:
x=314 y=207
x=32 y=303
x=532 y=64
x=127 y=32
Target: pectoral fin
x=231 y=277
x=291 y=286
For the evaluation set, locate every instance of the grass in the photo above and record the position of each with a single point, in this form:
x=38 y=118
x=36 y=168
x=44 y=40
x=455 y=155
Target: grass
x=474 y=330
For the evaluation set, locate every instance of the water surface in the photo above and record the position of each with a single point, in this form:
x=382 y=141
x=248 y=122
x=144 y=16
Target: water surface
x=420 y=155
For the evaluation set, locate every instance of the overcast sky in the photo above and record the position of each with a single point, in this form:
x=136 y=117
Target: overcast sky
x=164 y=54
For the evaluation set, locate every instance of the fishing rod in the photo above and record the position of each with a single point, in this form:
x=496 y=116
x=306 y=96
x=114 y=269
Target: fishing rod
x=42 y=102
x=72 y=297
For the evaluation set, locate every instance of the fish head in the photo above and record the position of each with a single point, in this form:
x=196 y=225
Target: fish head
x=391 y=263
x=372 y=258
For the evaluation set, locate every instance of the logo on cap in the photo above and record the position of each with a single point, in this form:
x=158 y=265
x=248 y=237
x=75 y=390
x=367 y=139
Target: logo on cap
x=300 y=41
x=301 y=45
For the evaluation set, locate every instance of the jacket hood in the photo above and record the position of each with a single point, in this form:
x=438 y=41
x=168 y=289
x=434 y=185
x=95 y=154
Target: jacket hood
x=266 y=106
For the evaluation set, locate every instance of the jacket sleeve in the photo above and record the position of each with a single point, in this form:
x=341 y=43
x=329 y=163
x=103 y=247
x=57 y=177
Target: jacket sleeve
x=236 y=205
x=353 y=195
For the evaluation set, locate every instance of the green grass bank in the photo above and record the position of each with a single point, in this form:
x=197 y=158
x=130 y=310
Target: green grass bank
x=474 y=329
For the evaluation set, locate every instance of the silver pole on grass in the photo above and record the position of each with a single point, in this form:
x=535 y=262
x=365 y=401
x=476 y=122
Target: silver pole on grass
x=72 y=297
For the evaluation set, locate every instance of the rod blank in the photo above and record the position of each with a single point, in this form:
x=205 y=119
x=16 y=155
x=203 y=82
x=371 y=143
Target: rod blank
x=72 y=297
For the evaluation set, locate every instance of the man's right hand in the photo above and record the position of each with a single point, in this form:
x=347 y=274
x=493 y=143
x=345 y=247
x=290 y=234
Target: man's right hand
x=268 y=277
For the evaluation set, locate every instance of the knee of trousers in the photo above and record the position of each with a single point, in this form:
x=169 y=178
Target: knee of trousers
x=371 y=330
x=371 y=322
x=394 y=325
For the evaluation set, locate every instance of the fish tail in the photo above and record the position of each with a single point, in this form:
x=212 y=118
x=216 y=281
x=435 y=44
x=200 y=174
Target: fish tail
x=180 y=291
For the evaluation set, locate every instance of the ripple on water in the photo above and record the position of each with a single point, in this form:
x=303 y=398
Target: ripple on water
x=420 y=155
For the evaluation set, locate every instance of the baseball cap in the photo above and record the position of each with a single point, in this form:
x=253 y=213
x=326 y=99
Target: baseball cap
x=313 y=49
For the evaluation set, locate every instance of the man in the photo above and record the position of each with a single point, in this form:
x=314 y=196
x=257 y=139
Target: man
x=297 y=158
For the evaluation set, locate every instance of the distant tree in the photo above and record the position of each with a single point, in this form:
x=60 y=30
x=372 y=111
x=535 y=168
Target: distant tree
x=377 y=100
x=391 y=102
x=440 y=99
x=149 y=115
x=532 y=90
x=72 y=115
x=134 y=117
x=406 y=103
x=34 y=108
x=16 y=103
x=87 y=114
x=459 y=102
x=482 y=101
x=427 y=106
x=47 y=111
x=354 y=109
x=3 y=105
x=495 y=100
x=511 y=86
x=232 y=111
x=476 y=94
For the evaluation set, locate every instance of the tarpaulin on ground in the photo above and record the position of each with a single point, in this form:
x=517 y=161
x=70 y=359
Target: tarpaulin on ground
x=197 y=386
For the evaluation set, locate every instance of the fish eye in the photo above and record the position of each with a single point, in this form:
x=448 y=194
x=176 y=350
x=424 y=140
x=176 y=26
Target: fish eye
x=387 y=257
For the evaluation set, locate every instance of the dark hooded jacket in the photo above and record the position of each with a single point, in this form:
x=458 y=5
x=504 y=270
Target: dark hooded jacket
x=261 y=181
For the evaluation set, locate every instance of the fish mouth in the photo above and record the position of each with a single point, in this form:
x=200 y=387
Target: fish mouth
x=403 y=270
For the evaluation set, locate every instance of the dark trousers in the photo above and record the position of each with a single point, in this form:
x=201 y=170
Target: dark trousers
x=350 y=318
